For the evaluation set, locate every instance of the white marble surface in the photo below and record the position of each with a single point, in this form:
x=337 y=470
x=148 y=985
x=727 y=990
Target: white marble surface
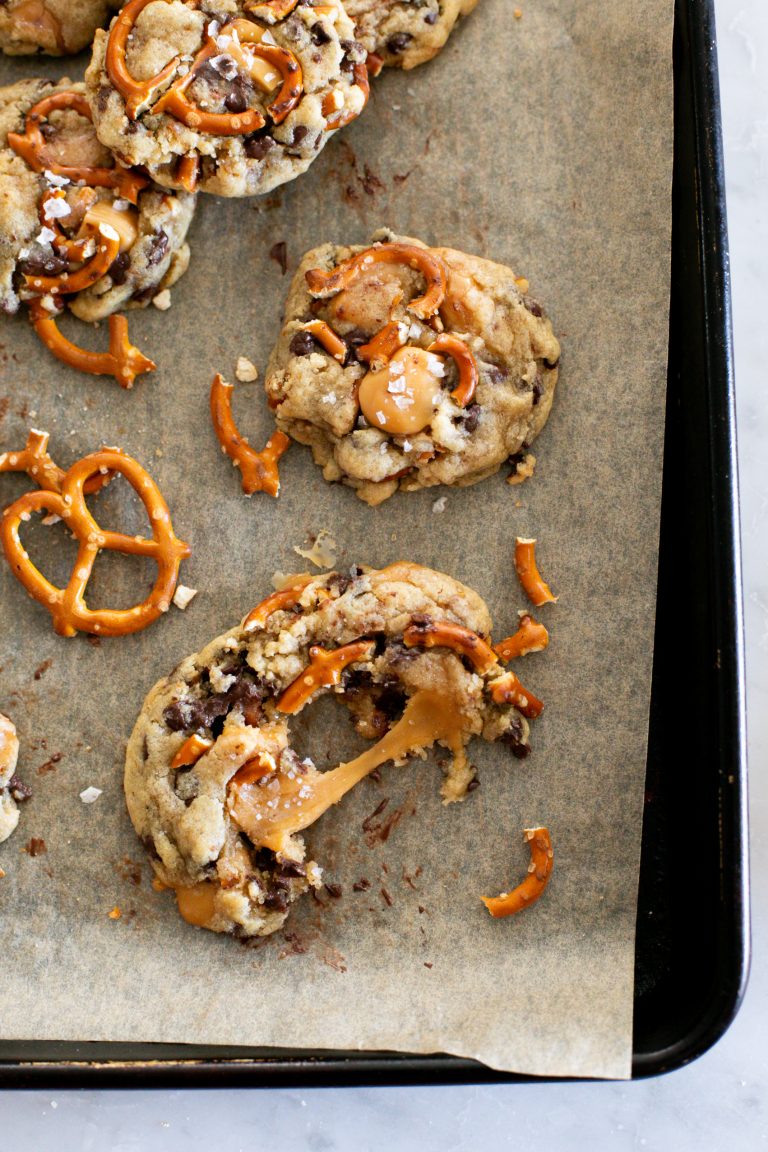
x=721 y=1100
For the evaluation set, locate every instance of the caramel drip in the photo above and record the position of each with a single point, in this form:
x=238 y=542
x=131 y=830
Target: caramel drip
x=429 y=716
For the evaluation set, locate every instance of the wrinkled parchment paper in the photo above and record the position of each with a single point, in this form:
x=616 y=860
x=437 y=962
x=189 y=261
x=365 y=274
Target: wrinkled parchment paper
x=544 y=142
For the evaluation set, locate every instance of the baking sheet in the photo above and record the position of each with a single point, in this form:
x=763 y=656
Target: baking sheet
x=544 y=142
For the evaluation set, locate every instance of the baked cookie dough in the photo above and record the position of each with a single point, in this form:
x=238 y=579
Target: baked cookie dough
x=52 y=27
x=229 y=97
x=394 y=386
x=9 y=752
x=404 y=33
x=214 y=788
x=57 y=189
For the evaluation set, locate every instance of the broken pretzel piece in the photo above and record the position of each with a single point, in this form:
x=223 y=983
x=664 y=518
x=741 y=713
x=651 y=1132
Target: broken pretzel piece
x=324 y=671
x=191 y=750
x=324 y=283
x=532 y=888
x=530 y=637
x=444 y=634
x=465 y=363
x=537 y=591
x=258 y=469
x=508 y=690
x=279 y=601
x=327 y=339
x=124 y=361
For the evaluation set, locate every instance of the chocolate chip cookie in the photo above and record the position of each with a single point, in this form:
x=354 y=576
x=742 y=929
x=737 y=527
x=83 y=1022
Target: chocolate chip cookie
x=404 y=33
x=9 y=752
x=404 y=366
x=52 y=27
x=216 y=791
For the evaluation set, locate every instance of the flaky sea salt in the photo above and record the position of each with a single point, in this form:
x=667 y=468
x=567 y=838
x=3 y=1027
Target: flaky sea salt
x=183 y=596
x=245 y=370
x=90 y=795
x=439 y=505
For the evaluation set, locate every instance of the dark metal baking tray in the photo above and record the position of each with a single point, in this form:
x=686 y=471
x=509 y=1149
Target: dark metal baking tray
x=693 y=923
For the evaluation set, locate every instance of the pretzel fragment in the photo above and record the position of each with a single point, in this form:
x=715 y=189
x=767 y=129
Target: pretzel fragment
x=124 y=361
x=532 y=888
x=271 y=11
x=136 y=93
x=336 y=117
x=530 y=637
x=258 y=469
x=191 y=750
x=466 y=364
x=374 y=64
x=324 y=671
x=443 y=634
x=327 y=339
x=537 y=591
x=30 y=144
x=507 y=689
x=67 y=606
x=381 y=348
x=278 y=602
x=188 y=172
x=107 y=248
x=324 y=283
x=37 y=463
x=72 y=248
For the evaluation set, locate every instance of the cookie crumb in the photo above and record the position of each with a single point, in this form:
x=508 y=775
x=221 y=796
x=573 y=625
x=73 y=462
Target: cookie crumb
x=518 y=13
x=90 y=795
x=321 y=551
x=163 y=300
x=115 y=914
x=245 y=370
x=439 y=505
x=523 y=469
x=183 y=596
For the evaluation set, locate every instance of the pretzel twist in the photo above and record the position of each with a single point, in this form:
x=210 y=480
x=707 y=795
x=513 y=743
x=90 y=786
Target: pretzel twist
x=465 y=362
x=30 y=144
x=532 y=888
x=124 y=361
x=67 y=606
x=444 y=634
x=136 y=93
x=324 y=283
x=36 y=461
x=258 y=469
x=324 y=671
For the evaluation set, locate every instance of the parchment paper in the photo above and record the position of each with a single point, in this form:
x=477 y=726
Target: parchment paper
x=543 y=142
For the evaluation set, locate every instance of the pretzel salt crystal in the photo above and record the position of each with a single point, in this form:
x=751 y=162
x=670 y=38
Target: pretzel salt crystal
x=336 y=118
x=36 y=461
x=324 y=671
x=67 y=606
x=507 y=689
x=278 y=601
x=530 y=637
x=466 y=364
x=136 y=93
x=30 y=144
x=539 y=871
x=124 y=361
x=107 y=248
x=191 y=750
x=323 y=284
x=537 y=591
x=327 y=338
x=258 y=469
x=444 y=634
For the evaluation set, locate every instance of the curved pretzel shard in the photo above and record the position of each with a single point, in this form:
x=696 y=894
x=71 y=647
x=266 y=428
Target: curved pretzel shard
x=532 y=888
x=382 y=347
x=124 y=361
x=67 y=606
x=324 y=283
x=30 y=144
x=530 y=637
x=443 y=634
x=279 y=601
x=327 y=339
x=535 y=587
x=258 y=469
x=107 y=243
x=324 y=671
x=188 y=172
x=466 y=364
x=36 y=461
x=137 y=94
x=338 y=117
x=191 y=750
x=507 y=689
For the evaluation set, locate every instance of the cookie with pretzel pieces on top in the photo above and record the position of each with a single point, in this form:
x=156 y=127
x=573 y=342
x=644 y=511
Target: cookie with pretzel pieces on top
x=52 y=27
x=227 y=96
x=404 y=33
x=216 y=791
x=73 y=225
x=407 y=366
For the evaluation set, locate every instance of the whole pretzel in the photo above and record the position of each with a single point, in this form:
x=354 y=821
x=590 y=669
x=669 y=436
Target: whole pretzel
x=67 y=606
x=124 y=361
x=36 y=461
x=532 y=888
x=257 y=469
x=323 y=284
x=31 y=142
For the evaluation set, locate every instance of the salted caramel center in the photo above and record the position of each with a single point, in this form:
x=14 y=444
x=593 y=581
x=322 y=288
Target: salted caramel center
x=400 y=397
x=196 y=904
x=125 y=222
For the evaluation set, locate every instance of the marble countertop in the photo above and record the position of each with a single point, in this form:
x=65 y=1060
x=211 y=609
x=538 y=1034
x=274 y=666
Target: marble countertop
x=719 y=1101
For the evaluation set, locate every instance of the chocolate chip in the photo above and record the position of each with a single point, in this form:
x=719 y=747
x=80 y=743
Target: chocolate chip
x=319 y=35
x=256 y=147
x=302 y=344
x=513 y=737
x=158 y=246
x=361 y=885
x=19 y=790
x=471 y=417
x=334 y=890
x=118 y=269
x=399 y=42
x=533 y=307
x=237 y=100
x=538 y=390
x=473 y=785
x=299 y=132
x=430 y=18
x=496 y=373
x=290 y=868
x=276 y=902
x=42 y=265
